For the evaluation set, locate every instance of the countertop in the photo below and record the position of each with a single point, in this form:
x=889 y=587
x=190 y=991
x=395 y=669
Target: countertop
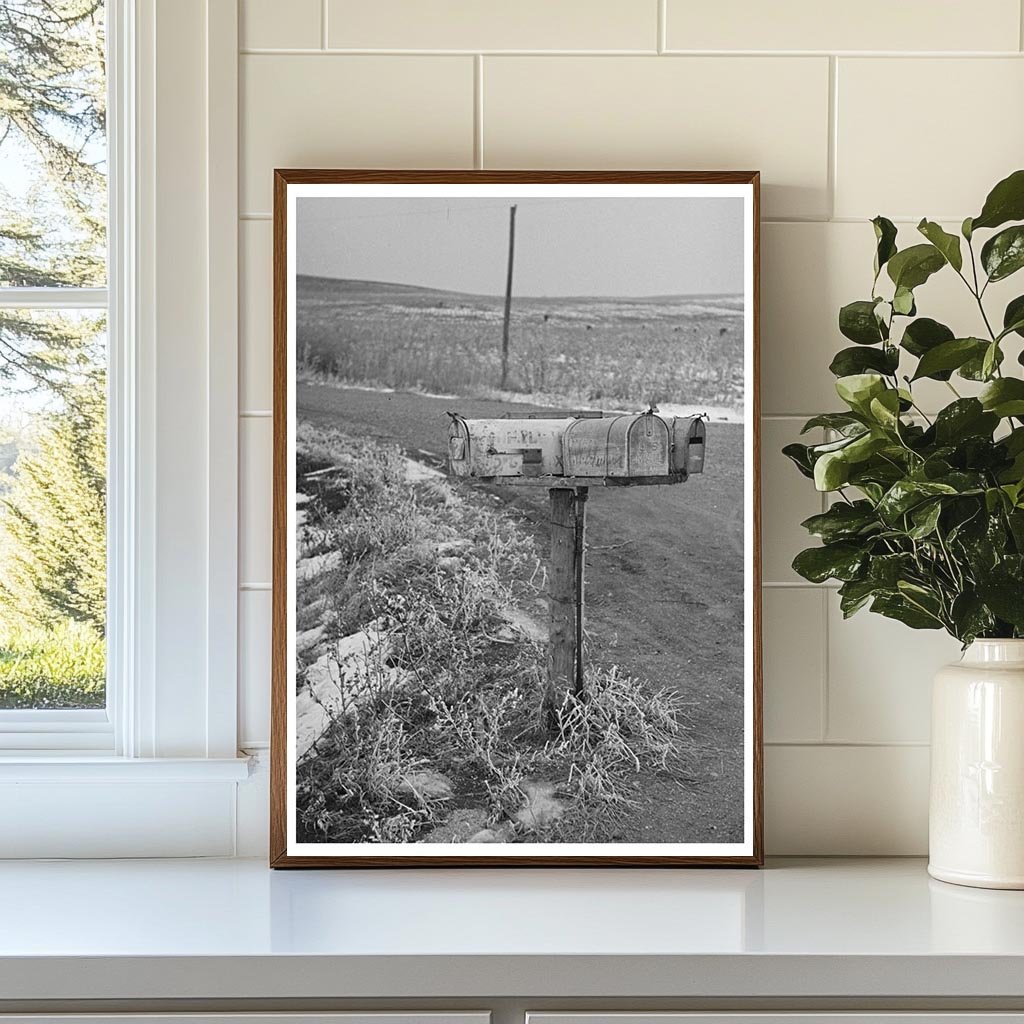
x=231 y=929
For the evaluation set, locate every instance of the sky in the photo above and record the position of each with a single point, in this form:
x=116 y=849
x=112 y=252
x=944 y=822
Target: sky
x=564 y=247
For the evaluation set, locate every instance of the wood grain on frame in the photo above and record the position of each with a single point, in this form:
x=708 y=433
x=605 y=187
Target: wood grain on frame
x=280 y=681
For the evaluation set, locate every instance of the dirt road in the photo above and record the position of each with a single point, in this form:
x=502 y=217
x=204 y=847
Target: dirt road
x=664 y=589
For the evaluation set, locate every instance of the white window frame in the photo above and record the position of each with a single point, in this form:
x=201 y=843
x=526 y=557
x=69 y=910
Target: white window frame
x=171 y=719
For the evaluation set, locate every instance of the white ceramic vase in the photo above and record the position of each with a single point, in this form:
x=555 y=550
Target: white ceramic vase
x=976 y=814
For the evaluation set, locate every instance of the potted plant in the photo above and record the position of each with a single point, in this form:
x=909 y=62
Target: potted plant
x=926 y=524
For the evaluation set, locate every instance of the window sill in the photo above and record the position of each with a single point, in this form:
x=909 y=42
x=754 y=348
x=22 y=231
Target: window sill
x=82 y=767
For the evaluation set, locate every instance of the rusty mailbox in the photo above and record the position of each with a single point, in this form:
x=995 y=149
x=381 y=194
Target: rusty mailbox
x=568 y=456
x=640 y=448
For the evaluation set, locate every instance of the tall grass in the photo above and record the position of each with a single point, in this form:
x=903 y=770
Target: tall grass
x=60 y=667
x=599 y=351
x=464 y=694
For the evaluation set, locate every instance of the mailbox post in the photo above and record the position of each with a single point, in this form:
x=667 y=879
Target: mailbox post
x=568 y=456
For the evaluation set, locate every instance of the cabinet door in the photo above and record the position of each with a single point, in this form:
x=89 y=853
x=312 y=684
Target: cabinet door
x=360 y=1017
x=784 y=1017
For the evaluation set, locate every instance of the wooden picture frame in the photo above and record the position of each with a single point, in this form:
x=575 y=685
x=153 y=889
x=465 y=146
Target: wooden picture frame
x=519 y=187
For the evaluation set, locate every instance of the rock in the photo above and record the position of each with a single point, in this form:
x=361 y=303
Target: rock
x=461 y=824
x=542 y=807
x=426 y=786
x=317 y=565
x=308 y=639
x=453 y=547
x=350 y=669
x=502 y=834
x=417 y=471
x=521 y=623
x=311 y=722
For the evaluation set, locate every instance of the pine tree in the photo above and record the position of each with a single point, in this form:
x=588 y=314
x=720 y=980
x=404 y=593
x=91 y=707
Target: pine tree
x=53 y=122
x=52 y=234
x=52 y=530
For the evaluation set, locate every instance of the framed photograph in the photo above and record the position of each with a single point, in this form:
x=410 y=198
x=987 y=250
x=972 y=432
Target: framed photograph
x=516 y=558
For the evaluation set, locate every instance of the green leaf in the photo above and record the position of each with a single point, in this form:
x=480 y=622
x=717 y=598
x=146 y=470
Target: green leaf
x=842 y=521
x=903 y=302
x=854 y=594
x=947 y=244
x=965 y=229
x=1005 y=202
x=1004 y=397
x=912 y=267
x=948 y=356
x=991 y=360
x=925 y=518
x=858 y=389
x=840 y=561
x=885 y=409
x=924 y=334
x=906 y=494
x=1003 y=254
x=966 y=417
x=841 y=421
x=1013 y=317
x=831 y=471
x=887 y=570
x=849 y=361
x=885 y=237
x=1005 y=597
x=799 y=455
x=897 y=607
x=857 y=321
x=970 y=617
x=974 y=368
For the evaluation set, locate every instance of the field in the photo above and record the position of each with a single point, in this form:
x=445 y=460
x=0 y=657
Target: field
x=669 y=349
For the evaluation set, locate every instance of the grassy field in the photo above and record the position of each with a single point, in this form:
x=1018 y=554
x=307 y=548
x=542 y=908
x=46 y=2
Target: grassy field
x=678 y=349
x=444 y=731
x=60 y=667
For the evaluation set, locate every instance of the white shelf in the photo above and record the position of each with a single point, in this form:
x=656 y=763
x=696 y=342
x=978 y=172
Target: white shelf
x=223 y=929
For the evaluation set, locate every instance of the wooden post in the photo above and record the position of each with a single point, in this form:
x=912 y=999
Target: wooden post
x=508 y=294
x=565 y=597
x=579 y=567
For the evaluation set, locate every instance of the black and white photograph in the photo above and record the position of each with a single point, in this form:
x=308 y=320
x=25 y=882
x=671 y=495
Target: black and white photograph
x=515 y=552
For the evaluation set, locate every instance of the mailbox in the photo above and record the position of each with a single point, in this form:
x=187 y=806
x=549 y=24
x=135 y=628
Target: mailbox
x=619 y=449
x=512 y=448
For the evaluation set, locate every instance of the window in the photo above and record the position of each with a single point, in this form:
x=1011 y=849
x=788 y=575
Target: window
x=53 y=370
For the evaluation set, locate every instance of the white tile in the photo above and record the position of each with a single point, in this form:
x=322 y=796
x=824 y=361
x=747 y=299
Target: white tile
x=351 y=111
x=793 y=628
x=496 y=25
x=809 y=271
x=787 y=499
x=254 y=618
x=691 y=113
x=962 y=131
x=867 y=25
x=255 y=508
x=880 y=676
x=270 y=24
x=847 y=801
x=255 y=320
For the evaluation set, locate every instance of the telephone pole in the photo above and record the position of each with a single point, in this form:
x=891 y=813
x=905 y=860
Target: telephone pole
x=508 y=294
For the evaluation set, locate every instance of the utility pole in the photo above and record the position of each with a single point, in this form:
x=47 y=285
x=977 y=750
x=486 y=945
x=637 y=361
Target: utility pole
x=508 y=294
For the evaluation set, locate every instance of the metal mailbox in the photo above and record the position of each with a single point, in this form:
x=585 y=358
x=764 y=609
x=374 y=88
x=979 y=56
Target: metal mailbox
x=622 y=449
x=512 y=448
